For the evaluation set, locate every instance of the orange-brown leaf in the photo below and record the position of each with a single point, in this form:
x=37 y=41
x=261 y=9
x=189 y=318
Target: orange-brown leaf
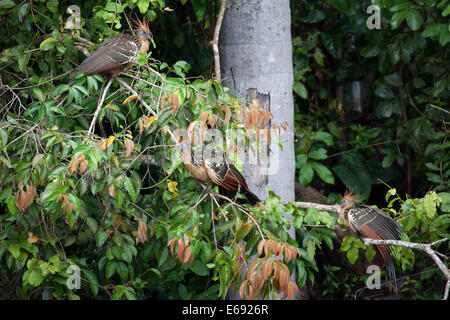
x=129 y=147
x=266 y=270
x=260 y=247
x=142 y=235
x=187 y=255
x=112 y=190
x=25 y=198
x=227 y=116
x=181 y=248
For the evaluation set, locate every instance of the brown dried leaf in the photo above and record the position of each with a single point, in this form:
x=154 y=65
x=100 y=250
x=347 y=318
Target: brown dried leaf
x=280 y=250
x=187 y=255
x=25 y=198
x=181 y=248
x=227 y=116
x=186 y=239
x=112 y=190
x=141 y=126
x=83 y=166
x=266 y=270
x=243 y=289
x=267 y=246
x=129 y=146
x=260 y=247
x=172 y=245
x=142 y=235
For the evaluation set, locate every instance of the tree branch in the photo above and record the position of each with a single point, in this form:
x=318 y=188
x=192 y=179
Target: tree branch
x=215 y=41
x=418 y=246
x=321 y=207
x=99 y=106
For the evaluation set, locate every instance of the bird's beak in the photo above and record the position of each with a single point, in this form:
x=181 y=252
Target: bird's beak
x=149 y=35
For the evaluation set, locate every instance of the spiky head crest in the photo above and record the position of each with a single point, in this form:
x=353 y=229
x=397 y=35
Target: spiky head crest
x=349 y=199
x=142 y=28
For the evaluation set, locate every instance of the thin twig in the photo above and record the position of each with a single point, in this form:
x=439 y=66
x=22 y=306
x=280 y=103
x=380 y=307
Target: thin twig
x=439 y=108
x=99 y=106
x=215 y=41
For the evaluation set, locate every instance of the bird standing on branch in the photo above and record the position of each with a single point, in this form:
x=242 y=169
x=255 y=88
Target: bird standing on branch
x=116 y=52
x=373 y=223
x=212 y=166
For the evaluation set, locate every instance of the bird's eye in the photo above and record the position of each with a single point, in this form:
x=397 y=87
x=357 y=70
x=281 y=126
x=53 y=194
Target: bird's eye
x=143 y=33
x=345 y=202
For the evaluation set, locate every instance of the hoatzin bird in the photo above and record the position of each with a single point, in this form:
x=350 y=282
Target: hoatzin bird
x=373 y=223
x=116 y=52
x=212 y=166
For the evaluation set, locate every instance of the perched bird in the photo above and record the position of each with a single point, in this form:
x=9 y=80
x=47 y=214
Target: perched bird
x=212 y=166
x=373 y=223
x=116 y=52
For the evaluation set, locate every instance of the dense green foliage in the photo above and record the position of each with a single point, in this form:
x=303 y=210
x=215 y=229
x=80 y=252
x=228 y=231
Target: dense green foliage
x=395 y=128
x=120 y=205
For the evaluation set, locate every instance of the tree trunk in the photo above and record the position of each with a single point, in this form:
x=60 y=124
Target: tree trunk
x=256 y=62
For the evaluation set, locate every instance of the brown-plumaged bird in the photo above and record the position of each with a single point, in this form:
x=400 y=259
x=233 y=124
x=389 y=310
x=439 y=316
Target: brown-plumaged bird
x=213 y=166
x=117 y=52
x=373 y=223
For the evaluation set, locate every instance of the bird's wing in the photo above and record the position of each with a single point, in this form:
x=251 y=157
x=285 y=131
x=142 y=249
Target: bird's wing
x=110 y=55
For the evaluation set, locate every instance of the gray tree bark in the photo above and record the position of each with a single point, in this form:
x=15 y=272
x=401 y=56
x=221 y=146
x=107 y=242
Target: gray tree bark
x=256 y=61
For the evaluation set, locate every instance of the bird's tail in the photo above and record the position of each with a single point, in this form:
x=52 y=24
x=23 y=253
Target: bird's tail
x=391 y=277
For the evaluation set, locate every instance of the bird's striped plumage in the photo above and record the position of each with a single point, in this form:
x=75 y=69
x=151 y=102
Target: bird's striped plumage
x=373 y=223
x=116 y=52
x=213 y=166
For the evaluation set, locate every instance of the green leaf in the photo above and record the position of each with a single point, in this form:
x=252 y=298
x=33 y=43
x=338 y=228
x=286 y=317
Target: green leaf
x=446 y=12
x=6 y=4
x=324 y=173
x=48 y=44
x=325 y=137
x=143 y=6
x=11 y=204
x=129 y=186
x=318 y=154
x=397 y=19
x=306 y=174
x=429 y=206
x=370 y=253
x=93 y=282
x=394 y=80
x=414 y=19
x=300 y=89
x=14 y=249
x=243 y=231
x=199 y=268
x=100 y=237
x=110 y=268
x=433 y=29
x=371 y=50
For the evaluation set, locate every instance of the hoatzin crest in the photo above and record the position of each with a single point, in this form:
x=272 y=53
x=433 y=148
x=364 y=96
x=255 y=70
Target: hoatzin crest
x=212 y=166
x=117 y=52
x=373 y=223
